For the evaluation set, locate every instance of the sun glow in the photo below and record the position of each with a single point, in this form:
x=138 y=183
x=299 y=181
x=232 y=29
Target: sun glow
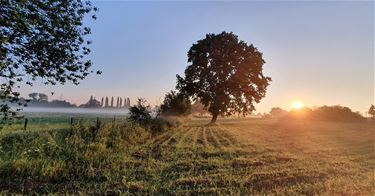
x=297 y=105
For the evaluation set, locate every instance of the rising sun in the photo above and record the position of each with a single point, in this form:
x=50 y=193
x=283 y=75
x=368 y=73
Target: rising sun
x=297 y=105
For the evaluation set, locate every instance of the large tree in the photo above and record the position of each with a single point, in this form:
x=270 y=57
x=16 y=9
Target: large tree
x=42 y=40
x=225 y=74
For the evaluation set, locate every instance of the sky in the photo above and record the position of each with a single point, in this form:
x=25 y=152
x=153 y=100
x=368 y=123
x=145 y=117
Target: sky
x=321 y=53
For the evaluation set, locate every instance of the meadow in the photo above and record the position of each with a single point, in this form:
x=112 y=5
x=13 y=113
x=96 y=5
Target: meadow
x=235 y=156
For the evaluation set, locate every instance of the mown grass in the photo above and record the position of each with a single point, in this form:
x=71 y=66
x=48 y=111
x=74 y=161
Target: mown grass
x=237 y=156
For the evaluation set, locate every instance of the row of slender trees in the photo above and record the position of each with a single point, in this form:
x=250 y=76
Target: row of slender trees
x=107 y=102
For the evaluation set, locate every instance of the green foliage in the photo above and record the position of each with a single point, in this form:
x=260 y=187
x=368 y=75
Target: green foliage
x=141 y=112
x=225 y=74
x=157 y=125
x=175 y=104
x=42 y=40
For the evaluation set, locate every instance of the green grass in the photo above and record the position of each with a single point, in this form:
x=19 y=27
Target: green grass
x=236 y=156
x=42 y=122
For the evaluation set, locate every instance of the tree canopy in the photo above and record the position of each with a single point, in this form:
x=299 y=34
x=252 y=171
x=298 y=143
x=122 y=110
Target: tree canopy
x=225 y=74
x=42 y=40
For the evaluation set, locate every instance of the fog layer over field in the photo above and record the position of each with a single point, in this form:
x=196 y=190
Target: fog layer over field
x=91 y=111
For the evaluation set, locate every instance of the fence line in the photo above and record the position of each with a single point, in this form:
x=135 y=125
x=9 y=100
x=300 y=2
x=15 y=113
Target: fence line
x=55 y=123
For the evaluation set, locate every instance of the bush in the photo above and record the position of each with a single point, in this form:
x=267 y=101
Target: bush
x=157 y=125
x=175 y=104
x=140 y=113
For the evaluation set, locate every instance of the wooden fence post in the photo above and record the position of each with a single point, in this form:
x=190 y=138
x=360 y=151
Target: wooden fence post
x=97 y=124
x=96 y=129
x=71 y=125
x=25 y=126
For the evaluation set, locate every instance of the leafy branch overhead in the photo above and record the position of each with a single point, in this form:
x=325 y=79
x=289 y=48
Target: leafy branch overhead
x=42 y=40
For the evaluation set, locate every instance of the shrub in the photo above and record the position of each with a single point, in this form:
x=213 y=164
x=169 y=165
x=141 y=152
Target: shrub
x=141 y=112
x=157 y=125
x=175 y=104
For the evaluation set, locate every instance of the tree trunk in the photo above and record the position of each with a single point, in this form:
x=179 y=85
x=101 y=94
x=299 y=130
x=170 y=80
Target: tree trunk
x=214 y=117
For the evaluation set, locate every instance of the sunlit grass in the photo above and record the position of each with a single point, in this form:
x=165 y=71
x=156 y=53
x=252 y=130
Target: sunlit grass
x=236 y=156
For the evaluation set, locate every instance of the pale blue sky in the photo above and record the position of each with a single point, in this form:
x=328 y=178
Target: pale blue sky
x=316 y=52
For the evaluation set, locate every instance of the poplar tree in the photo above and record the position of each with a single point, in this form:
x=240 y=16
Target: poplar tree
x=106 y=102
x=128 y=102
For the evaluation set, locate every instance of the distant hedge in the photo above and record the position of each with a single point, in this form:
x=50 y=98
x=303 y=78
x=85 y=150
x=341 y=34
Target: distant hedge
x=329 y=113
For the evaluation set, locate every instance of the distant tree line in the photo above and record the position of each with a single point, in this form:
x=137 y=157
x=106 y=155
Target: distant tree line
x=327 y=113
x=41 y=100
x=107 y=102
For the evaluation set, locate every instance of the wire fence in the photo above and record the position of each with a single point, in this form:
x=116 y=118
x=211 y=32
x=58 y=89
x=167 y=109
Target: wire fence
x=55 y=123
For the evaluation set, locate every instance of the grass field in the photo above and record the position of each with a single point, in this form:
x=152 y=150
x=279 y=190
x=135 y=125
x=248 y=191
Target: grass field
x=54 y=121
x=236 y=156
